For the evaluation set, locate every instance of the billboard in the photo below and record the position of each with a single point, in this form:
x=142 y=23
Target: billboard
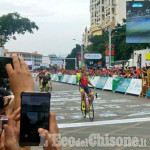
x=92 y=56
x=57 y=62
x=138 y=22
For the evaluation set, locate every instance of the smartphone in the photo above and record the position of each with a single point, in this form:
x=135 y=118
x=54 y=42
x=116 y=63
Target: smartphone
x=3 y=62
x=35 y=107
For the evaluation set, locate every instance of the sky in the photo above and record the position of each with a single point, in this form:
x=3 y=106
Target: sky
x=59 y=22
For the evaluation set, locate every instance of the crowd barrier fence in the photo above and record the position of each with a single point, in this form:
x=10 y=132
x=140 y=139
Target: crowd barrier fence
x=122 y=85
x=117 y=84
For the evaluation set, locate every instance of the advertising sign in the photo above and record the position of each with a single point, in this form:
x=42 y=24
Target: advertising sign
x=123 y=86
x=135 y=87
x=108 y=85
x=44 y=65
x=57 y=62
x=101 y=82
x=147 y=56
x=93 y=56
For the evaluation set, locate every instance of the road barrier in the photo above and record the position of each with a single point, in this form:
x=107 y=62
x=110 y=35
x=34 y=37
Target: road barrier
x=116 y=84
x=123 y=85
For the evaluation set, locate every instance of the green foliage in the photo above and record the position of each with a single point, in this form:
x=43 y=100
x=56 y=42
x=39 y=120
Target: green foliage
x=123 y=50
x=98 y=45
x=70 y=64
x=13 y=23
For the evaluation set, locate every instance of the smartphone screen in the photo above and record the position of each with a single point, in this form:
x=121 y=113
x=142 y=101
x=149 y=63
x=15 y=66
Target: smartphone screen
x=35 y=109
x=3 y=62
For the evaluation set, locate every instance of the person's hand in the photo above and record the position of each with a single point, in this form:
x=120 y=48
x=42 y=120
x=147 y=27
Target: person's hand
x=53 y=129
x=20 y=77
x=11 y=132
x=2 y=147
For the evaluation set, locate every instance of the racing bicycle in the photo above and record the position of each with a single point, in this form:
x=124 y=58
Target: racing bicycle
x=84 y=108
x=47 y=87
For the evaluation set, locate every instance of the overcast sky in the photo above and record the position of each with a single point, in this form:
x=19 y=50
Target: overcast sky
x=59 y=22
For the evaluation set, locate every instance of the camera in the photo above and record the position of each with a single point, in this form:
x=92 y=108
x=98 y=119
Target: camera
x=2 y=102
x=4 y=83
x=4 y=93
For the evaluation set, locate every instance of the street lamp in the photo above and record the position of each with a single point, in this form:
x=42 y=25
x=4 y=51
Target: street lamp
x=81 y=50
x=110 y=31
x=110 y=36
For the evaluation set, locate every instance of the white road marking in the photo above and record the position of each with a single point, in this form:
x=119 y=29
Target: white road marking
x=100 y=123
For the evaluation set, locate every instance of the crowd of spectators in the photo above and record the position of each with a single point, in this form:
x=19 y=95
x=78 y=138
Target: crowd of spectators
x=131 y=72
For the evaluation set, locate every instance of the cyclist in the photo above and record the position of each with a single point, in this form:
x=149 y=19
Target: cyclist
x=84 y=80
x=49 y=82
x=46 y=82
x=40 y=76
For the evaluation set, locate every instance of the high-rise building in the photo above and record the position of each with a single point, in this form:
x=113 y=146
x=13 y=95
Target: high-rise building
x=86 y=36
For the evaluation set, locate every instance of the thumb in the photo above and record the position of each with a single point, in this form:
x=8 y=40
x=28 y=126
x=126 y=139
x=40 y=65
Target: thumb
x=8 y=134
x=53 y=124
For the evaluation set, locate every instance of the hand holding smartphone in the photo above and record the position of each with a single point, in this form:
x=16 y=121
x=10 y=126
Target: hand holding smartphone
x=35 y=108
x=3 y=62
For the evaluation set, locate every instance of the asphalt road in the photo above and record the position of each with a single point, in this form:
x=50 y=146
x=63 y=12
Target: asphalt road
x=116 y=115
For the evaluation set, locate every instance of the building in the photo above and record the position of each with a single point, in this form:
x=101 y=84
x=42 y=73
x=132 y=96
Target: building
x=105 y=13
x=86 y=37
x=33 y=60
x=45 y=61
x=97 y=16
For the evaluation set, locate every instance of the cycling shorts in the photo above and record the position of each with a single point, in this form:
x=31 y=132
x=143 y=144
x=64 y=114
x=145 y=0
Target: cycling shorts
x=85 y=89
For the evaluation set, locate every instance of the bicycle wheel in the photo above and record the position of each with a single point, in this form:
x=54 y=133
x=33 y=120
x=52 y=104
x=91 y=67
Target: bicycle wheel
x=83 y=112
x=91 y=112
x=43 y=89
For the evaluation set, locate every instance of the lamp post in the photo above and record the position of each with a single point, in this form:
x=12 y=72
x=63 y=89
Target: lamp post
x=110 y=46
x=109 y=35
x=81 y=50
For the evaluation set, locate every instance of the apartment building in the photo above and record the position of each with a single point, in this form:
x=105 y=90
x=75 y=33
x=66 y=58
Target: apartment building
x=86 y=37
x=33 y=60
x=105 y=13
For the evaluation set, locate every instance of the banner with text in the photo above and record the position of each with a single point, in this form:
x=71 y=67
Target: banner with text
x=135 y=87
x=101 y=82
x=123 y=85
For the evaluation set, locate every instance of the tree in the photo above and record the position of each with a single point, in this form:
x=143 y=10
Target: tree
x=98 y=45
x=123 y=50
x=13 y=23
x=70 y=64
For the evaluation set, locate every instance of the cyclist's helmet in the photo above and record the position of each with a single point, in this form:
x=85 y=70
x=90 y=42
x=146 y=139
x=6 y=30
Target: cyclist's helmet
x=44 y=71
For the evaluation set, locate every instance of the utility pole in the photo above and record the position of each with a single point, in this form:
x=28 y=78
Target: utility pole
x=81 y=55
x=109 y=46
